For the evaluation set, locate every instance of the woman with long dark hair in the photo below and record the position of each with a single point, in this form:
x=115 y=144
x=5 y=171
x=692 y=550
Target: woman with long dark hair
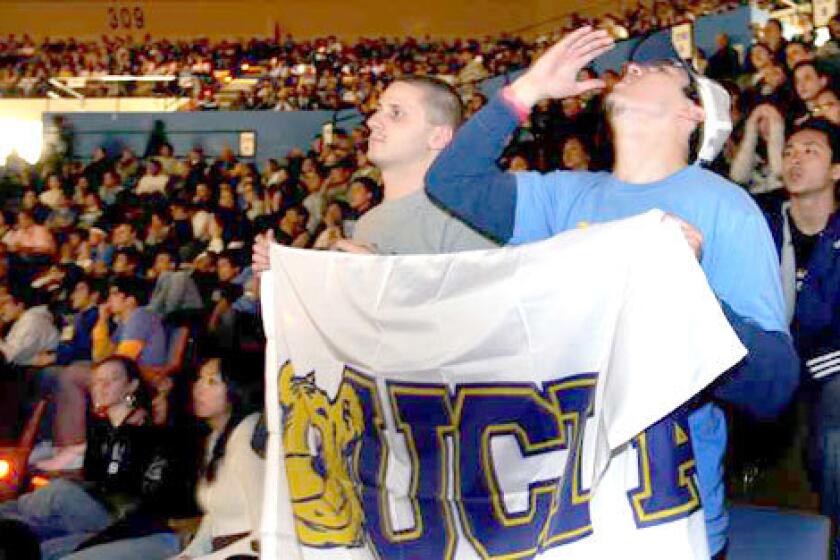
x=230 y=486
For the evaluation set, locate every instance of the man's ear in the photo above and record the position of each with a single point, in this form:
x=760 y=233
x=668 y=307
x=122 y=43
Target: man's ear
x=441 y=137
x=693 y=112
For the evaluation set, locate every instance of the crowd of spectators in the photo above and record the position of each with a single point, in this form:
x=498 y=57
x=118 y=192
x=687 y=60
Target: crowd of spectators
x=97 y=254
x=290 y=74
x=118 y=214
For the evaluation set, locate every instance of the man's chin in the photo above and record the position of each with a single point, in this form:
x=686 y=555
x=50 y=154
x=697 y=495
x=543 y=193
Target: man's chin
x=375 y=158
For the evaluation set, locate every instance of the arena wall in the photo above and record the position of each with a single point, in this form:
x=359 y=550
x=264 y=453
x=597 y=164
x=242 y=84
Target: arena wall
x=303 y=18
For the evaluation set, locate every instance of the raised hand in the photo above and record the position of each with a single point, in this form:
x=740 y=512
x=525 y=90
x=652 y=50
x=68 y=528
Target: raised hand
x=555 y=74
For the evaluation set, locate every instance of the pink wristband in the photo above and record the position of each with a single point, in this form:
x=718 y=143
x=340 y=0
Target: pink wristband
x=522 y=112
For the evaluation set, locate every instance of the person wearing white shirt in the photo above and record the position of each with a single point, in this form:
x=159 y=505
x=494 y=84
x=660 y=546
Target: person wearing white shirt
x=32 y=334
x=154 y=181
x=231 y=484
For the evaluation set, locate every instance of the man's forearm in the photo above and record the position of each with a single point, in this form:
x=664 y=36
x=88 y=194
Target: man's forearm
x=765 y=381
x=465 y=179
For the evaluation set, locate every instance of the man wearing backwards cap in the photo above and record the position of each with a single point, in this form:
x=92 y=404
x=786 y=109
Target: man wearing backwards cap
x=654 y=112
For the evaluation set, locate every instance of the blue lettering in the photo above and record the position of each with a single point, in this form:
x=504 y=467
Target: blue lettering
x=667 y=490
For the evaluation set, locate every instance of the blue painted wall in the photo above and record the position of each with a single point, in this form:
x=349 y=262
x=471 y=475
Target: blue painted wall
x=276 y=132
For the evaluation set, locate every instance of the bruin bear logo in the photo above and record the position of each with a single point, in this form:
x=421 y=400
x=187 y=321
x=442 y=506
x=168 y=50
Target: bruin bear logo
x=319 y=436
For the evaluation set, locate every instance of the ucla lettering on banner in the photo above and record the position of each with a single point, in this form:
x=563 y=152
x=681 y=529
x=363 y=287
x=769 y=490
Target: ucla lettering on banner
x=337 y=457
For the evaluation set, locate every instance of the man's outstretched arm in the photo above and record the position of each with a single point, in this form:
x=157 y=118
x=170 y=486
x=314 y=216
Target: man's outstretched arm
x=464 y=179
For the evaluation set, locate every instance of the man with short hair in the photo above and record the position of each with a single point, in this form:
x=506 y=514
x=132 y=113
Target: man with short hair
x=124 y=236
x=806 y=229
x=653 y=114
x=84 y=301
x=32 y=332
x=139 y=334
x=126 y=263
x=416 y=118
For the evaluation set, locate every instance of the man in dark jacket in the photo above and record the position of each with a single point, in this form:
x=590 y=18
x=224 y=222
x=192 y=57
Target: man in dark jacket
x=806 y=230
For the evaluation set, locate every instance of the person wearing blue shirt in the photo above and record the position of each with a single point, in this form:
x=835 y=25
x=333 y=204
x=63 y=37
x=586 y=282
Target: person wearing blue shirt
x=653 y=116
x=84 y=299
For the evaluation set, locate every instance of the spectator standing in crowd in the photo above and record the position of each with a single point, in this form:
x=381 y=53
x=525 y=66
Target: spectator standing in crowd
x=650 y=105
x=773 y=37
x=416 y=119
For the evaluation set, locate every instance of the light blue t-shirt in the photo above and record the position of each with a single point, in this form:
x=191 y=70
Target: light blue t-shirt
x=738 y=257
x=144 y=325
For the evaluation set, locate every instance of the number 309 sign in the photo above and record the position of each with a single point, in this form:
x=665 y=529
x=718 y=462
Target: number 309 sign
x=125 y=17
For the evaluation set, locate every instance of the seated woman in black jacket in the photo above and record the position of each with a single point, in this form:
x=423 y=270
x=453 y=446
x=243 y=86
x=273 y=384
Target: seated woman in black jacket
x=127 y=473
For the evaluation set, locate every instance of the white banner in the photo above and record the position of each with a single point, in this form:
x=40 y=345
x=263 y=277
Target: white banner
x=490 y=403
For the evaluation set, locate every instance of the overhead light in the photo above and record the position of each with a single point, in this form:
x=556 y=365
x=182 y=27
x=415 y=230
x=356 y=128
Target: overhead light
x=24 y=137
x=5 y=469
